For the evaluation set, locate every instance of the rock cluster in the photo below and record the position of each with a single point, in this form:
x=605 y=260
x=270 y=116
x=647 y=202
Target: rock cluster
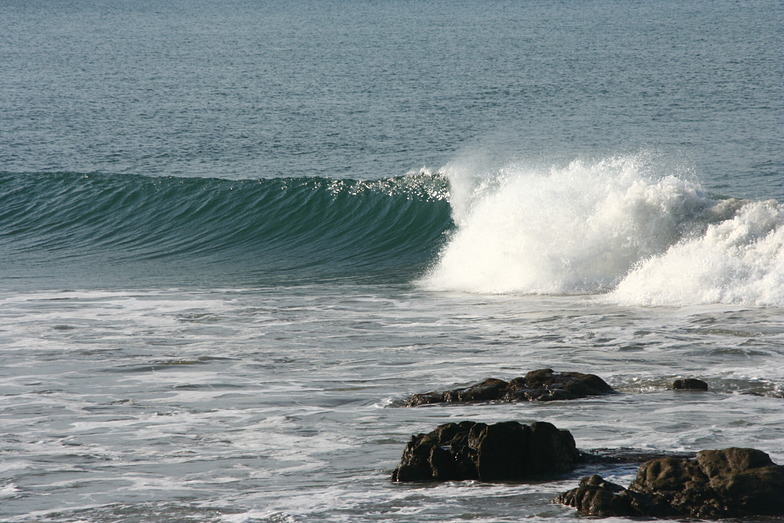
x=733 y=482
x=537 y=385
x=506 y=451
x=729 y=483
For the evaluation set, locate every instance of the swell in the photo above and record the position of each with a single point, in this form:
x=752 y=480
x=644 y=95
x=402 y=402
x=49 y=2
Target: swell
x=270 y=225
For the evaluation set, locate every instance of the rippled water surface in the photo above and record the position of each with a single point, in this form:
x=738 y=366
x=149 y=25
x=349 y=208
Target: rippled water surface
x=235 y=236
x=237 y=404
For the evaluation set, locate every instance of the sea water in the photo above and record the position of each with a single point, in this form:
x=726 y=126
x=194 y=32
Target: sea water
x=235 y=236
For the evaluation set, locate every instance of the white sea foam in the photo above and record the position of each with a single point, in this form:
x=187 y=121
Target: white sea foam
x=9 y=490
x=618 y=225
x=567 y=230
x=740 y=260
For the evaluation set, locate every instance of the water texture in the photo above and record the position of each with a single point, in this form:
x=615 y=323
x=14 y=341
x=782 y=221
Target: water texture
x=235 y=236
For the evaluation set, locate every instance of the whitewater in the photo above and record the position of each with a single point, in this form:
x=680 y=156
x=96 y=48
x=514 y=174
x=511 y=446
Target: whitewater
x=235 y=237
x=614 y=226
x=126 y=399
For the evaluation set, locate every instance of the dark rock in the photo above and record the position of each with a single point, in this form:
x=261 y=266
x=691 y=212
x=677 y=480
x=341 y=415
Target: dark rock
x=733 y=482
x=487 y=390
x=442 y=454
x=689 y=384
x=725 y=483
x=546 y=384
x=425 y=399
x=537 y=385
x=597 y=497
x=507 y=451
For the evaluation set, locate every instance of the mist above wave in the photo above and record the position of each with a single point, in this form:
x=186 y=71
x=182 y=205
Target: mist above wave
x=622 y=225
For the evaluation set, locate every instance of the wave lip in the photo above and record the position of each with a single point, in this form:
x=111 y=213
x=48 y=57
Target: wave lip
x=616 y=226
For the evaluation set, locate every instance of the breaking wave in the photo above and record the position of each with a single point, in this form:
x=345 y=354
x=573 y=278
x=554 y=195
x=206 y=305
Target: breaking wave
x=616 y=226
x=625 y=228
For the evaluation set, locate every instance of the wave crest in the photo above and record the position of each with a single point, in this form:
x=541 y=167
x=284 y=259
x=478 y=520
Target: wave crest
x=613 y=226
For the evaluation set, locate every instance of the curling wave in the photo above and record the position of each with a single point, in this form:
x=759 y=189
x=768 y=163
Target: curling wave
x=302 y=226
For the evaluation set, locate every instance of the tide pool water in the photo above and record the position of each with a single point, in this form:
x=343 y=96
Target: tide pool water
x=235 y=237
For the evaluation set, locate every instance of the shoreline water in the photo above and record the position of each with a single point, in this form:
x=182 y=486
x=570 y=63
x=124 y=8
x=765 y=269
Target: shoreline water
x=235 y=237
x=187 y=395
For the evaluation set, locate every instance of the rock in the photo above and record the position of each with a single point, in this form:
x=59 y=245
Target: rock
x=507 y=451
x=537 y=385
x=599 y=498
x=733 y=482
x=546 y=385
x=689 y=384
x=729 y=483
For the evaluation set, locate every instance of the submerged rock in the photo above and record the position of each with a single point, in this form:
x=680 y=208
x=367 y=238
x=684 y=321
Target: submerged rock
x=537 y=385
x=506 y=451
x=617 y=456
x=733 y=482
x=689 y=384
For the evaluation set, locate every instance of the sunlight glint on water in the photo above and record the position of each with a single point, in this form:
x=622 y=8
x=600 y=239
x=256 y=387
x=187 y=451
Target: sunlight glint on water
x=235 y=236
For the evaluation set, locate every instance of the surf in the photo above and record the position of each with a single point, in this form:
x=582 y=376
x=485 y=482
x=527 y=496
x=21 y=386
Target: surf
x=628 y=228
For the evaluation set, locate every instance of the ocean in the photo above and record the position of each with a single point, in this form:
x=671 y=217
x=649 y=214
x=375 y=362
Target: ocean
x=236 y=236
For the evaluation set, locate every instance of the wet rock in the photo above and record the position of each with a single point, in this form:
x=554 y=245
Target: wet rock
x=689 y=384
x=506 y=451
x=733 y=482
x=599 y=498
x=487 y=390
x=546 y=384
x=537 y=385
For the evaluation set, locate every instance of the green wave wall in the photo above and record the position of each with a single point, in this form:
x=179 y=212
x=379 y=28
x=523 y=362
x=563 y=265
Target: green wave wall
x=302 y=228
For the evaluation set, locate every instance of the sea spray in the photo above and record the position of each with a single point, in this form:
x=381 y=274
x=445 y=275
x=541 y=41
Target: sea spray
x=563 y=230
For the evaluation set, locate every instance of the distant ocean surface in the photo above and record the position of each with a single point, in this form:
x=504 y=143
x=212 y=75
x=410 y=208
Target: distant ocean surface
x=234 y=236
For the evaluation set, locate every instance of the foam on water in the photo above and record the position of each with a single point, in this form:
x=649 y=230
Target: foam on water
x=740 y=260
x=644 y=231
x=119 y=418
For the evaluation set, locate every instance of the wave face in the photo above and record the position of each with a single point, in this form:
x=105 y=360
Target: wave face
x=298 y=226
x=615 y=226
x=619 y=227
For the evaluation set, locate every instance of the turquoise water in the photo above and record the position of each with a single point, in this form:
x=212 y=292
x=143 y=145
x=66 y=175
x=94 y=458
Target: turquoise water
x=229 y=232
x=234 y=237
